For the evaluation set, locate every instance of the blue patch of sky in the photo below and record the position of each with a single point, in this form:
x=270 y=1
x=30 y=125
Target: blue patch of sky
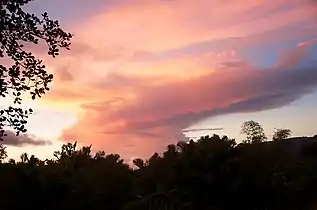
x=69 y=11
x=261 y=56
x=267 y=55
x=310 y=59
x=313 y=52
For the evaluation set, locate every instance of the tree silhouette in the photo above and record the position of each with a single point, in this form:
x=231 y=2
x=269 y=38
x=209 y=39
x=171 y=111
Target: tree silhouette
x=139 y=163
x=3 y=152
x=23 y=72
x=253 y=131
x=24 y=158
x=280 y=134
x=210 y=173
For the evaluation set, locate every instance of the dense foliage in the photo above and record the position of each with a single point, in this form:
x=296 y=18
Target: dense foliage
x=20 y=70
x=212 y=173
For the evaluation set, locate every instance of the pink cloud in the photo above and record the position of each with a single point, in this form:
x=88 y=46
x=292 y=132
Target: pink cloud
x=160 y=25
x=136 y=96
x=149 y=116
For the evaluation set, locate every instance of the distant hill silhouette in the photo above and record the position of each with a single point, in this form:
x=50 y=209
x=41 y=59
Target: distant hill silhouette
x=295 y=145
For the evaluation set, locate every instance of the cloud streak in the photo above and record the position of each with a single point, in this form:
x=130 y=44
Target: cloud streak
x=11 y=139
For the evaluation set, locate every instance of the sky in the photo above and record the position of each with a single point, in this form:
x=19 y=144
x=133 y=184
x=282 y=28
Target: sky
x=139 y=72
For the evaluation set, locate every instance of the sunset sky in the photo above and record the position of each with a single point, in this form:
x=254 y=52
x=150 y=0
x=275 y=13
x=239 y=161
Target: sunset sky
x=141 y=71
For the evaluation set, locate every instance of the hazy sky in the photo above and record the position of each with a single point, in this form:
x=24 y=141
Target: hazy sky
x=140 y=71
